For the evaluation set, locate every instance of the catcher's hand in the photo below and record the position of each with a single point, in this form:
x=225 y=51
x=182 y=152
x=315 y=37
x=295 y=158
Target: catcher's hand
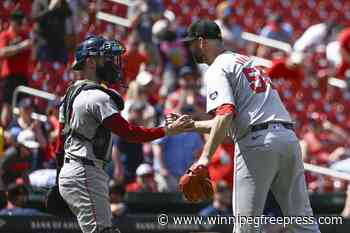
x=196 y=185
x=171 y=118
x=181 y=124
x=184 y=123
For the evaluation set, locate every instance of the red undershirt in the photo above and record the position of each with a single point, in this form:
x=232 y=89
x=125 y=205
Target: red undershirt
x=226 y=109
x=121 y=127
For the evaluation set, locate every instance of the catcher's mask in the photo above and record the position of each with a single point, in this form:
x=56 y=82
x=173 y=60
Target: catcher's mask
x=111 y=50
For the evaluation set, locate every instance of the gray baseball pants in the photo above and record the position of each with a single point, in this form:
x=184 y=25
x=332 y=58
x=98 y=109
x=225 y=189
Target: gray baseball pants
x=270 y=159
x=85 y=189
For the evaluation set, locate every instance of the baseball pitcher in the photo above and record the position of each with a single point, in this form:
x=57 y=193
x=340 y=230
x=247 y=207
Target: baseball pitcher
x=248 y=108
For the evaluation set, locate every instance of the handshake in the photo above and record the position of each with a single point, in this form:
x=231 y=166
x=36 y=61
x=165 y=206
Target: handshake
x=195 y=184
x=176 y=123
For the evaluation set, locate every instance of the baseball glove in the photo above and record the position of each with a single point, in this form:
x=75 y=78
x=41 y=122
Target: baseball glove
x=196 y=185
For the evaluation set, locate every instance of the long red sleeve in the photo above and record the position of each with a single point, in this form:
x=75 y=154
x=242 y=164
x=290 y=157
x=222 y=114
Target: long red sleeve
x=118 y=125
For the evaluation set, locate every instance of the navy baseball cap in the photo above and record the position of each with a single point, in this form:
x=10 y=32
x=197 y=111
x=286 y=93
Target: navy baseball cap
x=203 y=28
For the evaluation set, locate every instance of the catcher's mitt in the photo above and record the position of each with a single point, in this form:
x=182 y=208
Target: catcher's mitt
x=196 y=185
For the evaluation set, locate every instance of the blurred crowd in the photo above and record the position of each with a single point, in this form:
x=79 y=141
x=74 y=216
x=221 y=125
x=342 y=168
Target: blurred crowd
x=37 y=43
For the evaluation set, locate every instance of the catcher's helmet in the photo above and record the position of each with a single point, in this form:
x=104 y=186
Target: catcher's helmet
x=98 y=46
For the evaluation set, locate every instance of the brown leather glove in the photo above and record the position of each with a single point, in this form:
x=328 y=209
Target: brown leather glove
x=196 y=185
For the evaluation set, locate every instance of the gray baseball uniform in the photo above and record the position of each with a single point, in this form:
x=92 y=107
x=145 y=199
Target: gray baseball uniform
x=267 y=152
x=82 y=186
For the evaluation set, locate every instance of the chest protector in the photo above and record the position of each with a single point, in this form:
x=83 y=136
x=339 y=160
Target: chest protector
x=101 y=139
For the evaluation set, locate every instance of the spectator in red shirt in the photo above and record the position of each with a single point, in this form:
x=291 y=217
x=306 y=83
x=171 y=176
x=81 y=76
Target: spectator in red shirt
x=133 y=58
x=222 y=165
x=289 y=68
x=52 y=125
x=144 y=181
x=16 y=162
x=343 y=71
x=187 y=94
x=15 y=55
x=319 y=140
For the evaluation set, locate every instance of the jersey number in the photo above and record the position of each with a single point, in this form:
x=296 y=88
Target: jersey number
x=257 y=78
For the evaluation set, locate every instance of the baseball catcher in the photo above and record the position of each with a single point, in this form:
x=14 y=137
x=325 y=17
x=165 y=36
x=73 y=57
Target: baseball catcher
x=89 y=113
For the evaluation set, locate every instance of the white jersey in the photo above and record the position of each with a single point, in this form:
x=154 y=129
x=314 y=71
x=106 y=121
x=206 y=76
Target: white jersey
x=89 y=110
x=232 y=78
x=312 y=37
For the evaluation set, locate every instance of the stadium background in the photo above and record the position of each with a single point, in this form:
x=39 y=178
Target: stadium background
x=310 y=72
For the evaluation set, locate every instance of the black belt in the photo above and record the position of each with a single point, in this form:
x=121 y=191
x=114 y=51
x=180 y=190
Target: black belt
x=264 y=126
x=82 y=160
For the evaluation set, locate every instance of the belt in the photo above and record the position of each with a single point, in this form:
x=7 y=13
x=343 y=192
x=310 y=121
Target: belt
x=82 y=160
x=264 y=126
